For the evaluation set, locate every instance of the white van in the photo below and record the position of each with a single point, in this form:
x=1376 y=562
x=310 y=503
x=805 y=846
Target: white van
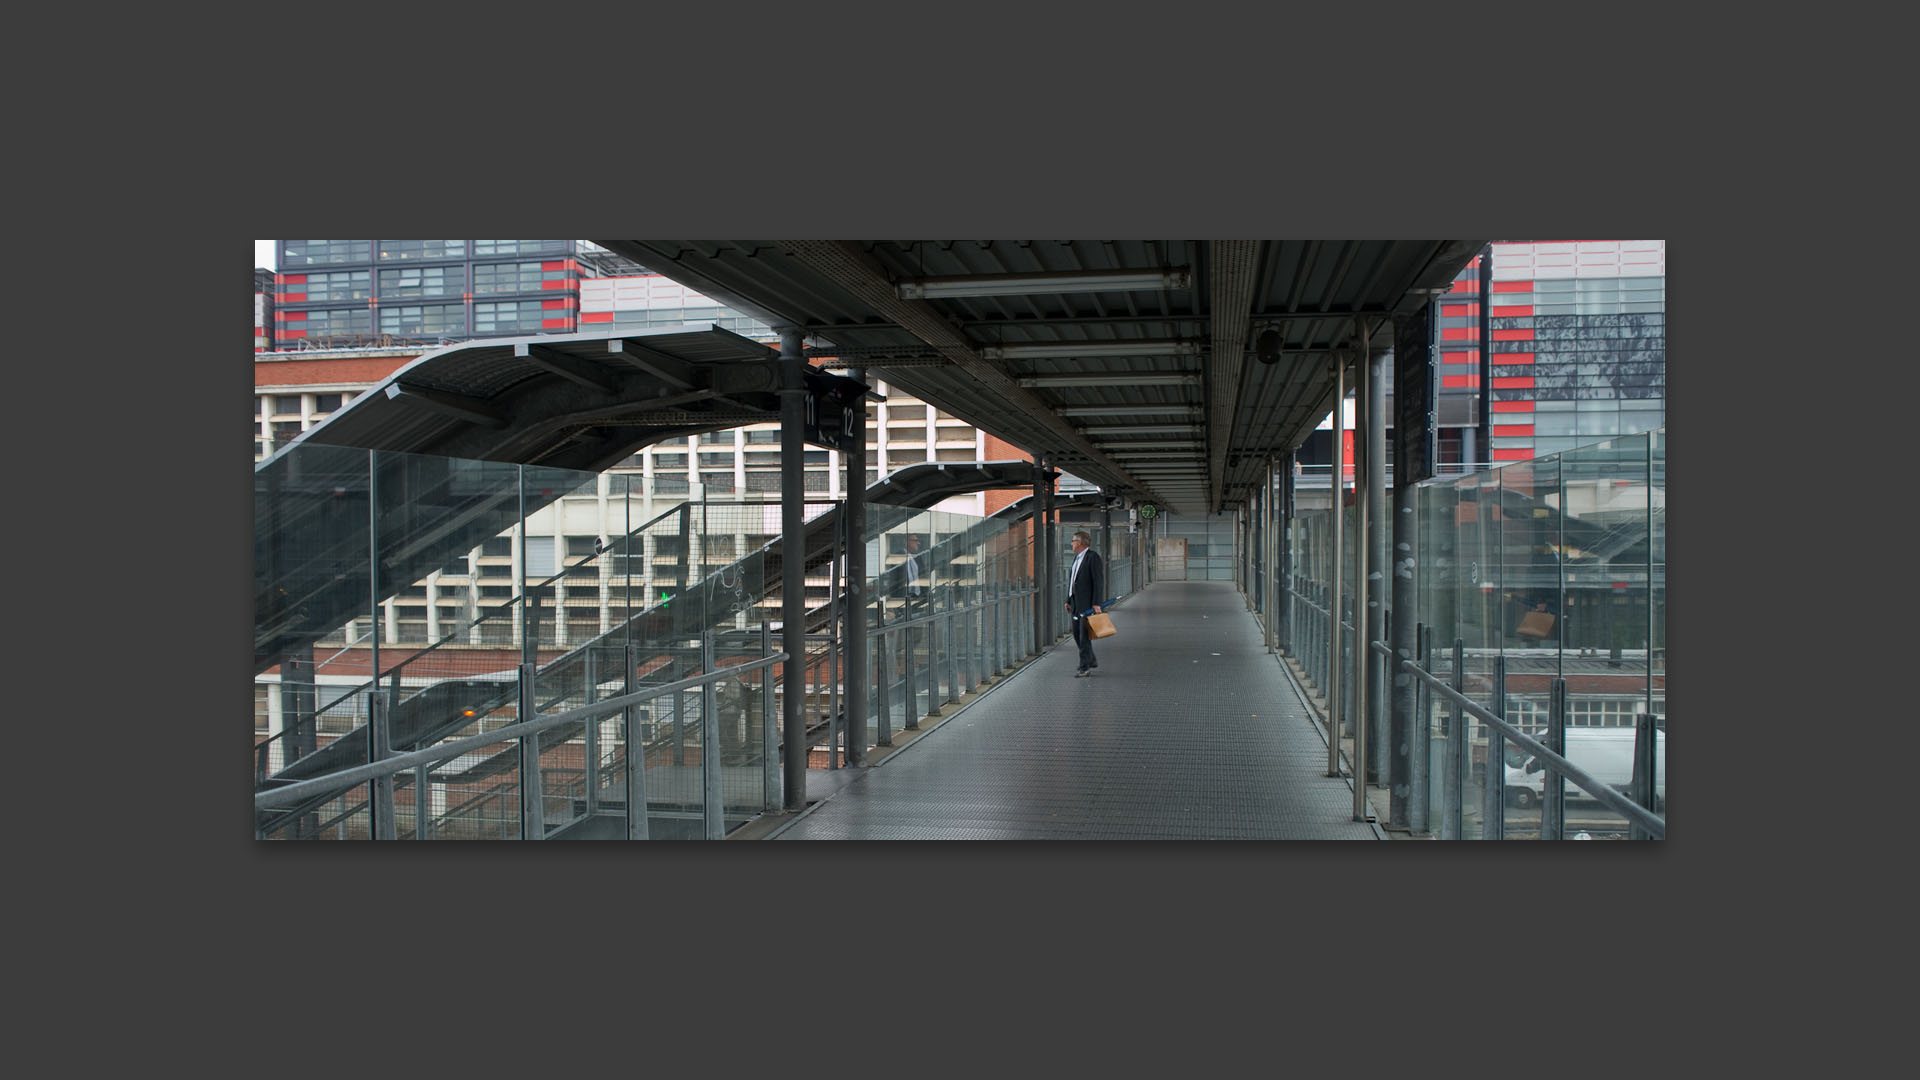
x=1606 y=753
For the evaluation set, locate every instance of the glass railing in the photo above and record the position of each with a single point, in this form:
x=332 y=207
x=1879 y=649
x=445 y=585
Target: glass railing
x=459 y=720
x=1541 y=601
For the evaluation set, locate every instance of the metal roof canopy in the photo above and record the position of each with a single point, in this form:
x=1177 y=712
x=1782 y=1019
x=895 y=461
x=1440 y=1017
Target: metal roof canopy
x=1023 y=338
x=574 y=401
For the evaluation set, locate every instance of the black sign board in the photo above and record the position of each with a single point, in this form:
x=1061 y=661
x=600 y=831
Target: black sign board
x=1415 y=383
x=836 y=415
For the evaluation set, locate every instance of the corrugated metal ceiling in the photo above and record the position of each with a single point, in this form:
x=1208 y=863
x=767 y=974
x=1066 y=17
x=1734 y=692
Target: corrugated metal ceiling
x=1189 y=423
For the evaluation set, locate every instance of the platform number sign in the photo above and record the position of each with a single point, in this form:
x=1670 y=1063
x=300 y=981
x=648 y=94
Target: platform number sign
x=1147 y=511
x=835 y=415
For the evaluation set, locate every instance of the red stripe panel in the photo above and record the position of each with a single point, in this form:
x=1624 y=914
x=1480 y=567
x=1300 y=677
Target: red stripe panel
x=1512 y=309
x=1466 y=285
x=1460 y=333
x=293 y=297
x=1513 y=335
x=561 y=265
x=284 y=334
x=1513 y=429
x=1459 y=380
x=1513 y=358
x=1513 y=406
x=291 y=316
x=1517 y=453
x=555 y=284
x=596 y=316
x=555 y=324
x=293 y=279
x=553 y=305
x=1457 y=310
x=1513 y=382
x=1513 y=286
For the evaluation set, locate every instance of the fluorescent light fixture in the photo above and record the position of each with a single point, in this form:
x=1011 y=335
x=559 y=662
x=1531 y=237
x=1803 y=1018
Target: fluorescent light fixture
x=1127 y=410
x=1090 y=348
x=1157 y=444
x=1118 y=378
x=1017 y=284
x=1141 y=429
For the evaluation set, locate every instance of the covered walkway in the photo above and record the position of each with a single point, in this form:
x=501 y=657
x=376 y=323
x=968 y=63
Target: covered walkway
x=1188 y=730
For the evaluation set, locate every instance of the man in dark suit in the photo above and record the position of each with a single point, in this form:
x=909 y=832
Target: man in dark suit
x=1086 y=586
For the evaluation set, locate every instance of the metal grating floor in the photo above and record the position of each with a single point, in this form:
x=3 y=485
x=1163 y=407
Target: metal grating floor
x=1188 y=730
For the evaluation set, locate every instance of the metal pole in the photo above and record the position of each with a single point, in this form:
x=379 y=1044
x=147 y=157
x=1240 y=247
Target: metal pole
x=714 y=810
x=835 y=582
x=1493 y=817
x=1373 y=664
x=1451 y=782
x=1645 y=744
x=379 y=745
x=1039 y=560
x=636 y=741
x=1333 y=597
x=1553 y=804
x=532 y=806
x=1282 y=538
x=856 y=613
x=593 y=736
x=793 y=582
x=1405 y=644
x=1363 y=588
x=1420 y=735
x=769 y=745
x=1051 y=562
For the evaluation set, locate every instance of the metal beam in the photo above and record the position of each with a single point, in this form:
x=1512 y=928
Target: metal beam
x=668 y=369
x=459 y=406
x=569 y=368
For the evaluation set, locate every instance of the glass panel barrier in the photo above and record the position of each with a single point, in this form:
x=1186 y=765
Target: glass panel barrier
x=1545 y=571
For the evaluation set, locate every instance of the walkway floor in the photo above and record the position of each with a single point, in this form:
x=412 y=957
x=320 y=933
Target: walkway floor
x=1188 y=730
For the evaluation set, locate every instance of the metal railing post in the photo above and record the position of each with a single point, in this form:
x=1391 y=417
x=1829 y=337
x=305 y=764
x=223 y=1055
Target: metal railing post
x=533 y=812
x=1493 y=824
x=883 y=674
x=422 y=802
x=714 y=809
x=770 y=777
x=381 y=788
x=1450 y=780
x=636 y=754
x=1553 y=804
x=1420 y=738
x=1645 y=743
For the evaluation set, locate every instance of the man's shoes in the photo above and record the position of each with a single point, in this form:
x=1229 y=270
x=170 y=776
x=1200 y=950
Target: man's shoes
x=1082 y=673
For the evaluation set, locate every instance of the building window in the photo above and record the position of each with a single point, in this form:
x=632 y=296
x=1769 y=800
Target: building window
x=422 y=249
x=423 y=320
x=324 y=326
x=484 y=248
x=322 y=252
x=506 y=316
x=338 y=285
x=496 y=278
x=326 y=403
x=423 y=281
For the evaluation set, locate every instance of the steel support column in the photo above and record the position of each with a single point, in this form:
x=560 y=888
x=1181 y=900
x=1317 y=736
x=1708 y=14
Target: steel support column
x=1338 y=514
x=793 y=581
x=856 y=609
x=1373 y=665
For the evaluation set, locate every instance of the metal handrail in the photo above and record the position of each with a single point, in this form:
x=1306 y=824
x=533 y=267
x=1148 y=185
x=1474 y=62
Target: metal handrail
x=347 y=778
x=1655 y=825
x=372 y=685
